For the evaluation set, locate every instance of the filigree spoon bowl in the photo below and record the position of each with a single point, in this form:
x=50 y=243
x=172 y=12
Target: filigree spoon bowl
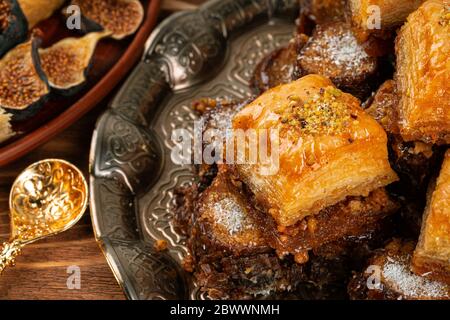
x=47 y=198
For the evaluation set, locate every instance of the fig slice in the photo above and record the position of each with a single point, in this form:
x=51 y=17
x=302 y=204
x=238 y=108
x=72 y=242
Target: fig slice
x=67 y=62
x=38 y=10
x=121 y=17
x=13 y=25
x=23 y=85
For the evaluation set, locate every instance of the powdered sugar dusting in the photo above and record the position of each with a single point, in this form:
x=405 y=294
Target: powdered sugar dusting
x=397 y=273
x=230 y=215
x=221 y=118
x=345 y=50
x=341 y=50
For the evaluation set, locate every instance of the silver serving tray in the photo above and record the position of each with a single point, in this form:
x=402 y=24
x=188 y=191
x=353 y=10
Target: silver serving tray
x=210 y=52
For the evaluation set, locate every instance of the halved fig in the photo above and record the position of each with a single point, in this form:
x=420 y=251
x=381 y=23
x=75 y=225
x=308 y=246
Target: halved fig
x=5 y=126
x=23 y=85
x=13 y=25
x=38 y=10
x=121 y=17
x=67 y=62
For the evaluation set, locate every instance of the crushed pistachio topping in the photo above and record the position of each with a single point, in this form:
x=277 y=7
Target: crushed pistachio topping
x=5 y=12
x=324 y=113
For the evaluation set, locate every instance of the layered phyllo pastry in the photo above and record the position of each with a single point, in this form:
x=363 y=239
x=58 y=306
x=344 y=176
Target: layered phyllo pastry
x=328 y=149
x=414 y=161
x=423 y=77
x=310 y=184
x=432 y=255
x=379 y=18
x=230 y=257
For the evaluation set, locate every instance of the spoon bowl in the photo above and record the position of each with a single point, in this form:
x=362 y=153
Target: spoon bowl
x=47 y=198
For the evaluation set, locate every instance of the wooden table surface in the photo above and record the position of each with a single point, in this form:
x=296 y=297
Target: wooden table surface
x=41 y=272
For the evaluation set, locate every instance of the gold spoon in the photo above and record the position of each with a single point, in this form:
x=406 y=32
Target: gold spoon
x=47 y=198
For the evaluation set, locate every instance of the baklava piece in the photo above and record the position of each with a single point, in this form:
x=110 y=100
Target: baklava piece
x=392 y=14
x=328 y=149
x=432 y=254
x=413 y=160
x=423 y=77
x=388 y=276
x=231 y=258
x=333 y=51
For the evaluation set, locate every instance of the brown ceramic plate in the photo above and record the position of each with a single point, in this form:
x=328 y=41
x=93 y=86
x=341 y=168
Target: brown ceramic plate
x=112 y=61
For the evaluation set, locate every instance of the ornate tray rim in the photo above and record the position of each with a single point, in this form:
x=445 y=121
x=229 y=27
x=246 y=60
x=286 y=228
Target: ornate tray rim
x=34 y=139
x=141 y=271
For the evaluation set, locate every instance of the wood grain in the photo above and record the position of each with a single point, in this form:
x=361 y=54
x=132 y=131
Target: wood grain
x=41 y=270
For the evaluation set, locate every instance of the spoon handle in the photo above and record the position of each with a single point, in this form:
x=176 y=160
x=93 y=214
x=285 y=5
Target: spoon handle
x=8 y=254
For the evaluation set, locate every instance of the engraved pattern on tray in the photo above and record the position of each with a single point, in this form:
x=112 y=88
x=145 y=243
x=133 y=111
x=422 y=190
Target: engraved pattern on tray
x=210 y=52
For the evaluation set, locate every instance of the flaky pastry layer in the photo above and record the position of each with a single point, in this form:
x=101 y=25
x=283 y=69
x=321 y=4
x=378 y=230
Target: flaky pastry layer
x=392 y=13
x=423 y=74
x=432 y=254
x=328 y=149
